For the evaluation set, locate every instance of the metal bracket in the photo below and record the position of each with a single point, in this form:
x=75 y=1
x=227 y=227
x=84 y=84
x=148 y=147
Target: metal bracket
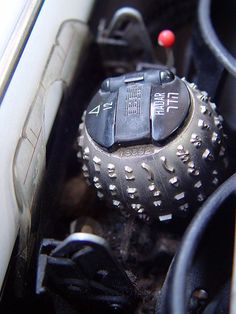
x=82 y=270
x=125 y=41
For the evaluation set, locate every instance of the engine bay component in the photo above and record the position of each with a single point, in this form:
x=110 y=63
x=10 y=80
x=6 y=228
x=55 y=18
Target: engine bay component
x=153 y=143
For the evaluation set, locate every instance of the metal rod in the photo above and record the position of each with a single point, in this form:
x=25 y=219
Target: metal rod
x=16 y=44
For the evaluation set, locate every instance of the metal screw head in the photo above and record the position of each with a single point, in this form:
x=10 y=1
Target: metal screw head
x=198 y=299
x=116 y=306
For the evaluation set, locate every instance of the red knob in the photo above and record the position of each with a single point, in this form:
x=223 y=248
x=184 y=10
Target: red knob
x=166 y=38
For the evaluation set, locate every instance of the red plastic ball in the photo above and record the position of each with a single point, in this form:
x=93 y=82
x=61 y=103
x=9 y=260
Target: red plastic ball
x=166 y=38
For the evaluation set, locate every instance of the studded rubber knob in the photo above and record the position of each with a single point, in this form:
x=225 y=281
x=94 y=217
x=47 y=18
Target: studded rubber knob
x=152 y=144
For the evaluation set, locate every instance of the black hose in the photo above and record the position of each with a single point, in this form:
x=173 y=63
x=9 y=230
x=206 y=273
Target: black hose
x=212 y=40
x=178 y=274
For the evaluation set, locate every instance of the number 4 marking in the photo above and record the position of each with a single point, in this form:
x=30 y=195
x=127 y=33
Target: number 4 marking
x=96 y=110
